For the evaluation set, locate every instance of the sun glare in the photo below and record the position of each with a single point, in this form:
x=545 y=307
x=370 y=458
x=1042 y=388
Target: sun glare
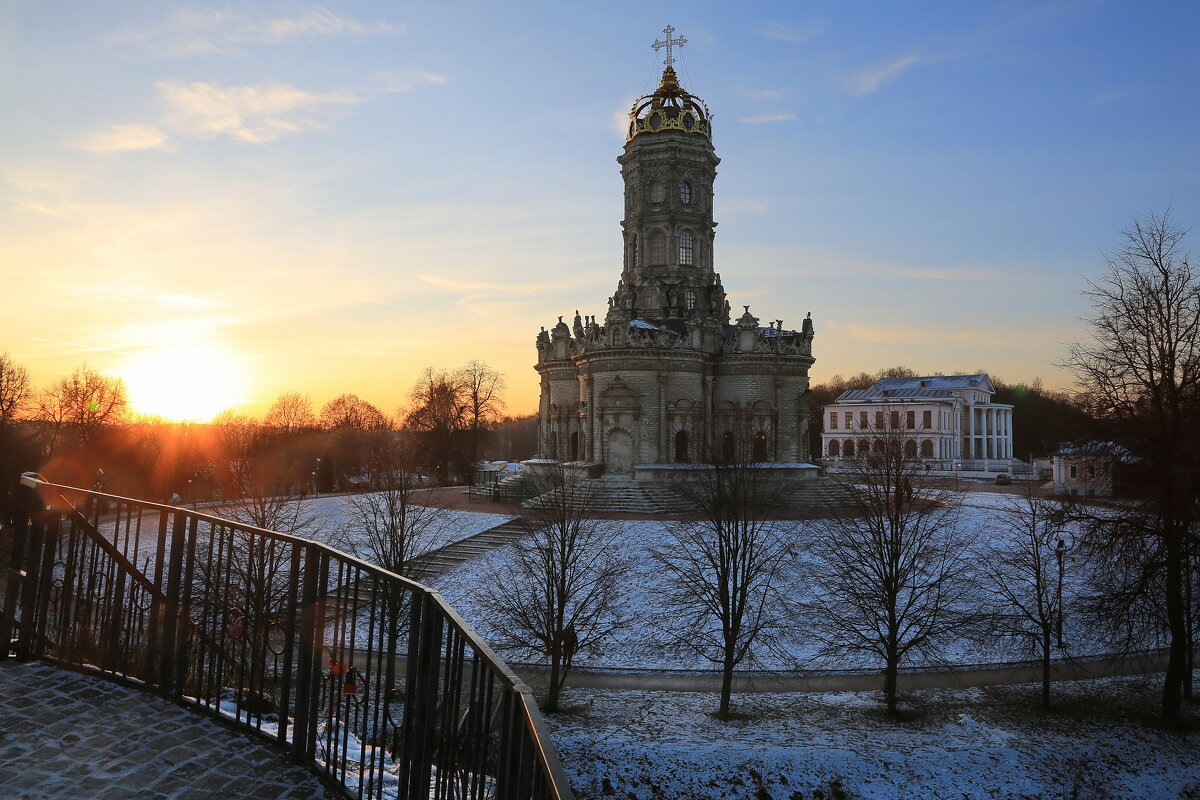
x=185 y=383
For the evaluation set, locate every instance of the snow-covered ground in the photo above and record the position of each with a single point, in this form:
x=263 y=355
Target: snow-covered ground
x=961 y=744
x=328 y=519
x=332 y=513
x=638 y=644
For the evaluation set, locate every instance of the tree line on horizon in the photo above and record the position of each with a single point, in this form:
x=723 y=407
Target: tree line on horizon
x=82 y=431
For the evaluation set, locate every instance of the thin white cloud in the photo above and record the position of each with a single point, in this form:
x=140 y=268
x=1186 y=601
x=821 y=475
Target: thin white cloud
x=257 y=114
x=1114 y=95
x=405 y=80
x=191 y=32
x=872 y=80
x=250 y=113
x=762 y=118
x=131 y=136
x=803 y=32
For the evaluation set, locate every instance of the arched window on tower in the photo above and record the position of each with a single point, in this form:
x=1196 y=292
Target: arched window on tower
x=681 y=447
x=689 y=299
x=633 y=252
x=656 y=192
x=658 y=248
x=685 y=248
x=685 y=193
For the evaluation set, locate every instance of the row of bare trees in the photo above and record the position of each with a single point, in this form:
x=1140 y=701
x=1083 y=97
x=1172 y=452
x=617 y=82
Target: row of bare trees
x=83 y=431
x=901 y=577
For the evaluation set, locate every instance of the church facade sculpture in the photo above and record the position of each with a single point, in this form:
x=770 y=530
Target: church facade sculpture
x=667 y=377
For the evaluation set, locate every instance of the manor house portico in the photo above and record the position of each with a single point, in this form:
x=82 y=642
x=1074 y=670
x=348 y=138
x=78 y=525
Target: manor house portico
x=943 y=418
x=667 y=376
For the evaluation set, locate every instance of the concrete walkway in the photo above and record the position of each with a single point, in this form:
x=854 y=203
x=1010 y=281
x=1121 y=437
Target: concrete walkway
x=66 y=735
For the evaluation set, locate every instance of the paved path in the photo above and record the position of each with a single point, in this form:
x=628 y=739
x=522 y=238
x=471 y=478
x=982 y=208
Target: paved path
x=66 y=735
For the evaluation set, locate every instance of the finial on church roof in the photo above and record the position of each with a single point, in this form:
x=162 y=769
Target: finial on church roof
x=668 y=43
x=671 y=107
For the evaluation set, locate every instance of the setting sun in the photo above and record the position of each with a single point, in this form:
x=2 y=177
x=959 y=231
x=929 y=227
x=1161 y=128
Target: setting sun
x=185 y=383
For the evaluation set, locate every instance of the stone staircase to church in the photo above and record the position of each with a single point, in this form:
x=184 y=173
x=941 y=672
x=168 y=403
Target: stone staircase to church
x=619 y=496
x=440 y=560
x=817 y=494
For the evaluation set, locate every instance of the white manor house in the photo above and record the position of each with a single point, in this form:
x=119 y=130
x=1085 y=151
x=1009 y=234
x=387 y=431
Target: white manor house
x=948 y=421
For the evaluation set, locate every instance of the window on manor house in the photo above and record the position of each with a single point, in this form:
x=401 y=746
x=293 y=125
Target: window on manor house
x=895 y=419
x=685 y=248
x=927 y=419
x=910 y=420
x=862 y=420
x=833 y=420
x=658 y=248
x=1073 y=471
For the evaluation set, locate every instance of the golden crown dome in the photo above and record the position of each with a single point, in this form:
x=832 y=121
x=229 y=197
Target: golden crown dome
x=670 y=108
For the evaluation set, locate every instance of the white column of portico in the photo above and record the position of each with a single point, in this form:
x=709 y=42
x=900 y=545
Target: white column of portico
x=970 y=431
x=994 y=431
x=991 y=433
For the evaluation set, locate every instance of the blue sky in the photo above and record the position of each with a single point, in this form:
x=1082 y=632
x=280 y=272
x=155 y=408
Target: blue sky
x=329 y=198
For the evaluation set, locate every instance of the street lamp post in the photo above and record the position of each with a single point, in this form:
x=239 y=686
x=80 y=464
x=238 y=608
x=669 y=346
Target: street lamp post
x=317 y=478
x=1063 y=545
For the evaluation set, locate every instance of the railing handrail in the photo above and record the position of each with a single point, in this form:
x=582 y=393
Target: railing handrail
x=70 y=499
x=375 y=570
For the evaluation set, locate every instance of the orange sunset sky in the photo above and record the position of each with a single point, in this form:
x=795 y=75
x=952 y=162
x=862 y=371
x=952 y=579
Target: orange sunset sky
x=223 y=204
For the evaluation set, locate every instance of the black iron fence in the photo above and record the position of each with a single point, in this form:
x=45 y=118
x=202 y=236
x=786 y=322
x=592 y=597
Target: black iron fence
x=367 y=677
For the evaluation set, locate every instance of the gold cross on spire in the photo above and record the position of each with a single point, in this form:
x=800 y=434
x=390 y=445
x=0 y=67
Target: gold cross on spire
x=669 y=43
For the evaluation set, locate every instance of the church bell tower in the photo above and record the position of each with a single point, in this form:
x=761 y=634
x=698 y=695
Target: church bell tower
x=669 y=167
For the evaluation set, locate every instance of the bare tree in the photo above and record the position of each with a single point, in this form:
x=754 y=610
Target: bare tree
x=349 y=411
x=291 y=412
x=1139 y=375
x=438 y=410
x=82 y=403
x=561 y=594
x=725 y=569
x=1020 y=573
x=14 y=389
x=258 y=480
x=390 y=527
x=14 y=399
x=481 y=385
x=888 y=577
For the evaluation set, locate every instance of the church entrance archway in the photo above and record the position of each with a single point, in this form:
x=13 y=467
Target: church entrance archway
x=681 y=447
x=760 y=446
x=620 y=451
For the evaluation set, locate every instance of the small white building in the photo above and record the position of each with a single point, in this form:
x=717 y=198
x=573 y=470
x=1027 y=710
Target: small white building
x=946 y=419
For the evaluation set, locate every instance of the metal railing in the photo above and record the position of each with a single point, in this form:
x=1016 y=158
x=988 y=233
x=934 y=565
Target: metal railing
x=368 y=678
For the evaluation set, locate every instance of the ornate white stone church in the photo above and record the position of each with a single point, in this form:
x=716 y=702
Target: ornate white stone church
x=666 y=378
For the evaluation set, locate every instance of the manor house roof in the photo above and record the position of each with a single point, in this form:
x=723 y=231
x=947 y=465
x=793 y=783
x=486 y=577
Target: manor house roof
x=928 y=388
